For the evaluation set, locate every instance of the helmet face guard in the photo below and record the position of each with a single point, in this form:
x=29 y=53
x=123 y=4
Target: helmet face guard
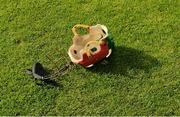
x=90 y=48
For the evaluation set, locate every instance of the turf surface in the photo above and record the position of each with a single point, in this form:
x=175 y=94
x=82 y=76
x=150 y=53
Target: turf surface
x=142 y=77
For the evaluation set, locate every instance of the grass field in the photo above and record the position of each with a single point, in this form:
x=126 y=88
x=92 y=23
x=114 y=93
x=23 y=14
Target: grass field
x=142 y=77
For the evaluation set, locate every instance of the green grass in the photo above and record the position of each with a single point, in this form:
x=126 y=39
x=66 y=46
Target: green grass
x=142 y=77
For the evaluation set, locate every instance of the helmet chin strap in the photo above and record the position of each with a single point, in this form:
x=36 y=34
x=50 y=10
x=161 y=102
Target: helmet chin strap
x=38 y=71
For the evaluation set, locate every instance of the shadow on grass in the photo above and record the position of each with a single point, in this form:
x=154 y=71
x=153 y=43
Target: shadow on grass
x=49 y=82
x=125 y=59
